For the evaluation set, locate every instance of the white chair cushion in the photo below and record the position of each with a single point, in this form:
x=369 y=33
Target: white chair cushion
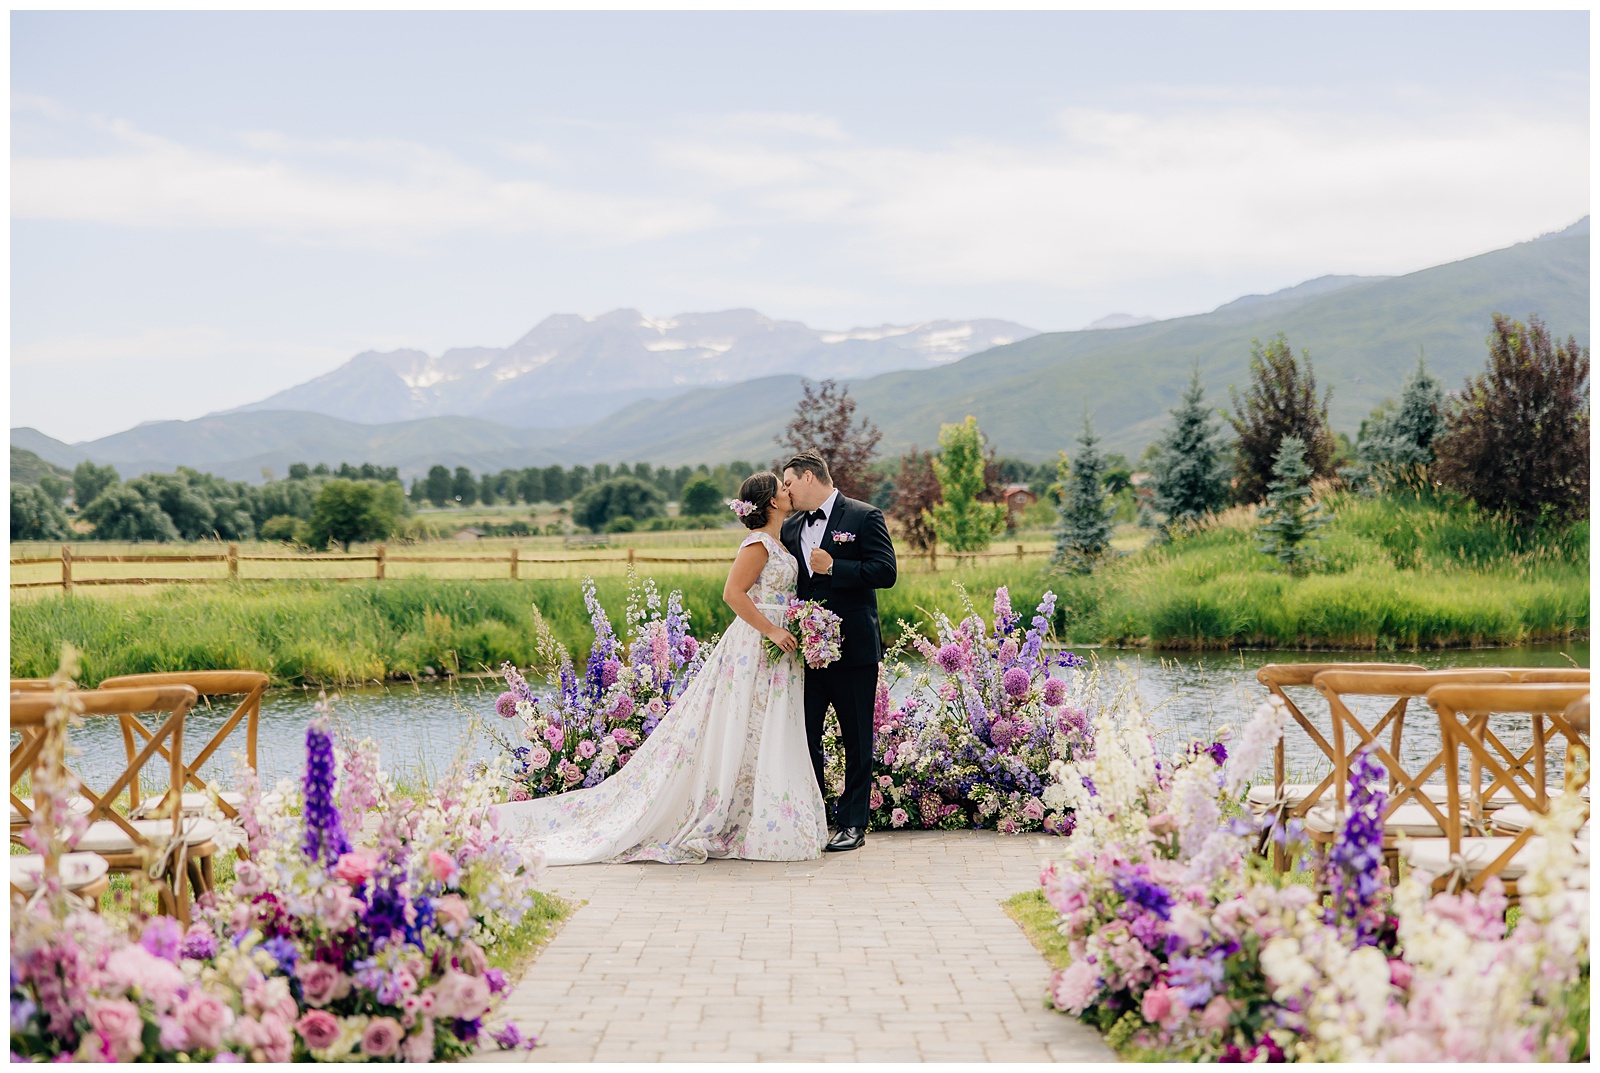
x=80 y=805
x=197 y=801
x=1432 y=855
x=78 y=870
x=1514 y=819
x=1413 y=821
x=104 y=836
x=1260 y=797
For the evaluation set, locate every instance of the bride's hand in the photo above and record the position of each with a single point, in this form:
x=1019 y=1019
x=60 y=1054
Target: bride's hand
x=783 y=639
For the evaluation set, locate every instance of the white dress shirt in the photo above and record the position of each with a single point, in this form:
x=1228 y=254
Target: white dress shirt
x=811 y=532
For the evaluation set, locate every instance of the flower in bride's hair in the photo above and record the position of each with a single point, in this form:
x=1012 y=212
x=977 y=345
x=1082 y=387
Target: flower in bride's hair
x=741 y=507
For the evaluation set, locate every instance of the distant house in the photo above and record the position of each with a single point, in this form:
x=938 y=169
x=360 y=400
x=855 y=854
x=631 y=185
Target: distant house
x=469 y=534
x=1018 y=498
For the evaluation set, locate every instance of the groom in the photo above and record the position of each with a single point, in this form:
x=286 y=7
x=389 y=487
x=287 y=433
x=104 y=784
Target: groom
x=844 y=552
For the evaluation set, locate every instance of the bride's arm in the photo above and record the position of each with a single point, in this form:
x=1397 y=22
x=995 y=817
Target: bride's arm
x=736 y=594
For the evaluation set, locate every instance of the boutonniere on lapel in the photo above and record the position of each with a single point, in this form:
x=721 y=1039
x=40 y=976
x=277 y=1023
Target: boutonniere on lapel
x=840 y=537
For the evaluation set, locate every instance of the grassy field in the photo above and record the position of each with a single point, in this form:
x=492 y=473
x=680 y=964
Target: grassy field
x=1394 y=576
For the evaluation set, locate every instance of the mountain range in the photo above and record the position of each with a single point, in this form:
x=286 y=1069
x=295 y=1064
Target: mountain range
x=1363 y=333
x=570 y=370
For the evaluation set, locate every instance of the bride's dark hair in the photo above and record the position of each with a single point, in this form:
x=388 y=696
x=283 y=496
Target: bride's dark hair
x=758 y=490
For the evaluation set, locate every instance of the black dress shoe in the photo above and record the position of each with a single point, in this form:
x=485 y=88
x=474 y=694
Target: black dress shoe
x=848 y=838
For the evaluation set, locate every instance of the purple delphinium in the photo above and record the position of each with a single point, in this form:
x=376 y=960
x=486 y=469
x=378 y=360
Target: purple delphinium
x=1197 y=979
x=510 y=1038
x=605 y=643
x=1356 y=856
x=325 y=839
x=1136 y=886
x=517 y=684
x=163 y=937
x=199 y=943
x=283 y=951
x=1004 y=620
x=1033 y=640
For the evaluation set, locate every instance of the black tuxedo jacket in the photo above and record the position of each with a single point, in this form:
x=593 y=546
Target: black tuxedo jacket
x=860 y=567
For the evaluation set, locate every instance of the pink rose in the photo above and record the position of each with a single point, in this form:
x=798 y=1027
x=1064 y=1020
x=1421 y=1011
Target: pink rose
x=1033 y=810
x=462 y=996
x=319 y=1029
x=268 y=1039
x=418 y=1047
x=1399 y=973
x=898 y=818
x=1161 y=824
x=1156 y=1006
x=248 y=880
x=1214 y=1018
x=443 y=866
x=382 y=1037
x=538 y=756
x=454 y=913
x=356 y=867
x=875 y=799
x=555 y=736
x=321 y=983
x=573 y=775
x=205 y=1017
x=520 y=793
x=1075 y=987
x=586 y=748
x=472 y=959
x=119 y=1025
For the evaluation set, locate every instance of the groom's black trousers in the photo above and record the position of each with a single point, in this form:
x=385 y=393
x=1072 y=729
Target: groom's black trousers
x=852 y=691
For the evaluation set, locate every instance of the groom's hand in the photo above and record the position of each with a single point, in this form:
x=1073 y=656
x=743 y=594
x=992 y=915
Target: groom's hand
x=821 y=562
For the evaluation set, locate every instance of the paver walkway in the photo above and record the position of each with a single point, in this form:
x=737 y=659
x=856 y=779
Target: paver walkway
x=896 y=952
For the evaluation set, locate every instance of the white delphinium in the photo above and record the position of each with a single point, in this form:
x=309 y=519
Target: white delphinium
x=1343 y=993
x=1192 y=801
x=1260 y=736
x=1122 y=771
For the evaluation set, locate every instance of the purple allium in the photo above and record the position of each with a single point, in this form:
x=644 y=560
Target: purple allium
x=689 y=647
x=1003 y=733
x=609 y=671
x=1015 y=682
x=623 y=708
x=1008 y=650
x=162 y=937
x=952 y=658
x=1055 y=692
x=325 y=839
x=505 y=705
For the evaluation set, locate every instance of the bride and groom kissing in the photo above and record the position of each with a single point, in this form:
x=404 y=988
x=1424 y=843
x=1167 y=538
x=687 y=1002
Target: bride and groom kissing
x=736 y=767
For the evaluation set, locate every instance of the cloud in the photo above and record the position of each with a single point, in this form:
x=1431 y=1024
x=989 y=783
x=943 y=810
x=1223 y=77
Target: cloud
x=368 y=193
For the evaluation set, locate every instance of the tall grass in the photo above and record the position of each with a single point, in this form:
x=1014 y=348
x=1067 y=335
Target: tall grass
x=1395 y=574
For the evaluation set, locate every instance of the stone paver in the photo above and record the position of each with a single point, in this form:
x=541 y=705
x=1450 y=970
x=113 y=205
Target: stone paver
x=898 y=952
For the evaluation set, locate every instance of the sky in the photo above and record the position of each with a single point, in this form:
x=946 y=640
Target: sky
x=210 y=207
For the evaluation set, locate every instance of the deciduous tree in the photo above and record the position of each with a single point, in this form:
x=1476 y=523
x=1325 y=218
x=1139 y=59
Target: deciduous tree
x=1282 y=401
x=600 y=504
x=438 y=486
x=962 y=521
x=36 y=516
x=916 y=494
x=89 y=480
x=1518 y=441
x=700 y=496
x=825 y=421
x=349 y=511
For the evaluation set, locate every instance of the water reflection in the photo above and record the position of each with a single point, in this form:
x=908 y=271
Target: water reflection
x=419 y=729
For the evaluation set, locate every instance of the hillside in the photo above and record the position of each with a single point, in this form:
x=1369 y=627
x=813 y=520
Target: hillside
x=1363 y=334
x=27 y=467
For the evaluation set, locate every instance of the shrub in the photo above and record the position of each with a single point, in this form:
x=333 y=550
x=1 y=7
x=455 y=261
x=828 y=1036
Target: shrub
x=700 y=496
x=598 y=504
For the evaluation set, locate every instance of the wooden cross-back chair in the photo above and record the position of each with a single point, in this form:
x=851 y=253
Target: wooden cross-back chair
x=86 y=875
x=1469 y=857
x=1294 y=800
x=169 y=848
x=247 y=685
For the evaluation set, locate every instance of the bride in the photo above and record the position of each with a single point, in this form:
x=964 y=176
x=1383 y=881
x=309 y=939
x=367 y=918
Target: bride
x=727 y=772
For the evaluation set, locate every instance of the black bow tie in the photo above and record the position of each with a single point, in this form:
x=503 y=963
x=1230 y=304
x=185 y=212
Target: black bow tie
x=816 y=516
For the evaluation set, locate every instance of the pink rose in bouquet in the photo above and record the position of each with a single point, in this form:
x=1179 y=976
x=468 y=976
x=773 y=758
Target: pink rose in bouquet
x=817 y=629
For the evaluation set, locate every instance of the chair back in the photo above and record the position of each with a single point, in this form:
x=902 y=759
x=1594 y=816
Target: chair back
x=247 y=685
x=28 y=712
x=1577 y=716
x=30 y=685
x=1551 y=674
x=1464 y=712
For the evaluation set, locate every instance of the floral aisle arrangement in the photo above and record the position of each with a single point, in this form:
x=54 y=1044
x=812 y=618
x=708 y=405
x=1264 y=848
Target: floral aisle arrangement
x=1185 y=945
x=584 y=729
x=979 y=737
x=816 y=628
x=326 y=947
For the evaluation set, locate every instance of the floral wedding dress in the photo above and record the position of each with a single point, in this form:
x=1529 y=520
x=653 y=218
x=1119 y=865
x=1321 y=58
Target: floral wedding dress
x=726 y=774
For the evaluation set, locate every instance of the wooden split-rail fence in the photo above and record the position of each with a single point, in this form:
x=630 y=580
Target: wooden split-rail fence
x=381 y=558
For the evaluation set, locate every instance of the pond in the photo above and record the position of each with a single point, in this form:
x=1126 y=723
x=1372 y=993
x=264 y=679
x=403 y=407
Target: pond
x=419 y=729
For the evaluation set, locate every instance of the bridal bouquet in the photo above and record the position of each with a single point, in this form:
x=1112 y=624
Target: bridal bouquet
x=818 y=631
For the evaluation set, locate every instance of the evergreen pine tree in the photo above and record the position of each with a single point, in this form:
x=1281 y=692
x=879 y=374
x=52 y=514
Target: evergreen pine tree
x=1404 y=436
x=1191 y=468
x=1085 y=530
x=1289 y=517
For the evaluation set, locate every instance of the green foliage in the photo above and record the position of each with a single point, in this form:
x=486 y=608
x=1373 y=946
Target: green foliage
x=437 y=487
x=35 y=515
x=700 y=496
x=596 y=506
x=1282 y=401
x=1518 y=442
x=622 y=523
x=1289 y=516
x=89 y=480
x=1403 y=435
x=1085 y=530
x=463 y=489
x=962 y=522
x=126 y=512
x=29 y=468
x=350 y=511
x=1191 y=466
x=287 y=528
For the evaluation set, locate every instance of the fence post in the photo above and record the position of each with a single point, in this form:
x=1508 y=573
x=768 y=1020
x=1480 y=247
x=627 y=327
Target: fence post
x=66 y=569
x=933 y=558
x=383 y=561
x=514 y=552
x=1019 y=551
x=233 y=562
x=630 y=556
